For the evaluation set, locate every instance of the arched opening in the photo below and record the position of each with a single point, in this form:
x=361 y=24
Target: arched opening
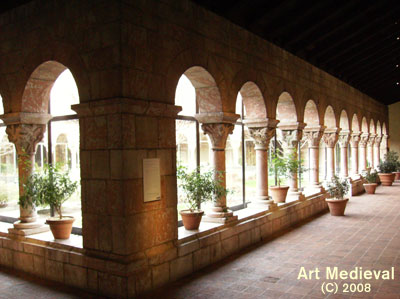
x=372 y=127
x=52 y=89
x=355 y=126
x=8 y=172
x=343 y=160
x=286 y=109
x=287 y=115
x=329 y=142
x=364 y=125
x=196 y=92
x=384 y=143
x=311 y=118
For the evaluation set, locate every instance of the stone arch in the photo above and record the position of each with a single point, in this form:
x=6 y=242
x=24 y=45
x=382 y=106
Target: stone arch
x=45 y=58
x=355 y=126
x=378 y=128
x=253 y=101
x=286 y=109
x=372 y=126
x=36 y=95
x=384 y=131
x=204 y=73
x=329 y=117
x=311 y=117
x=344 y=121
x=364 y=125
x=208 y=96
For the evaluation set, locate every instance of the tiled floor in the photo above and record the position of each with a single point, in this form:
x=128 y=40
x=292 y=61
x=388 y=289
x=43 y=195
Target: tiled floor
x=368 y=237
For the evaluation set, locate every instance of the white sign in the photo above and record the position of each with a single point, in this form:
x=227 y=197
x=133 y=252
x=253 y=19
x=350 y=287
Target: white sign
x=151 y=180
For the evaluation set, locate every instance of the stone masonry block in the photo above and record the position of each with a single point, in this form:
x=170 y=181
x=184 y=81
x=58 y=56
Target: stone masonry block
x=229 y=246
x=100 y=164
x=146 y=132
x=39 y=266
x=23 y=261
x=181 y=267
x=133 y=163
x=201 y=258
x=75 y=276
x=188 y=247
x=6 y=257
x=160 y=275
x=54 y=270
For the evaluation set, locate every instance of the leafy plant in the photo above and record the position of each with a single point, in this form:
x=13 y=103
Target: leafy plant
x=286 y=166
x=199 y=186
x=3 y=199
x=50 y=187
x=390 y=164
x=337 y=188
x=371 y=177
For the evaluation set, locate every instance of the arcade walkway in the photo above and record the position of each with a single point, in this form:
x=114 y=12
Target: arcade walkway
x=368 y=237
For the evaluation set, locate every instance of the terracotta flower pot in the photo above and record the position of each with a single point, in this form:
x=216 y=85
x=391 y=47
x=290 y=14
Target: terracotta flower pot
x=387 y=179
x=397 y=175
x=279 y=193
x=337 y=207
x=370 y=187
x=61 y=228
x=191 y=220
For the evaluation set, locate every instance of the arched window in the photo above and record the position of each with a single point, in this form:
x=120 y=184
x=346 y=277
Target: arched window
x=8 y=173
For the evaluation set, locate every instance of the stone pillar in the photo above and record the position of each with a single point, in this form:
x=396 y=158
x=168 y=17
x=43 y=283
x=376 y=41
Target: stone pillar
x=354 y=141
x=261 y=131
x=384 y=146
x=290 y=135
x=330 y=138
x=363 y=151
x=26 y=130
x=344 y=138
x=377 y=151
x=370 y=150
x=313 y=136
x=218 y=127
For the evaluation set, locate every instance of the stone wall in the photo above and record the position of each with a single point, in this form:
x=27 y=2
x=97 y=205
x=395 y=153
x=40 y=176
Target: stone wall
x=156 y=266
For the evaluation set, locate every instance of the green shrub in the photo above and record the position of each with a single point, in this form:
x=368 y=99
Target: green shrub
x=338 y=188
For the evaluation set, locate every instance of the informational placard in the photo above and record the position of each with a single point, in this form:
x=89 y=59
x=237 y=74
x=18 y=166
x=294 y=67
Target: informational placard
x=151 y=180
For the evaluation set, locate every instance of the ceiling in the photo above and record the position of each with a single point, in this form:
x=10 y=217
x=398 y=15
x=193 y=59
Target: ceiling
x=357 y=41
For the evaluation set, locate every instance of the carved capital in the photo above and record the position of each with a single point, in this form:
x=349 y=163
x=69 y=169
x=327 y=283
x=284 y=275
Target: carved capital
x=261 y=137
x=290 y=138
x=364 y=139
x=371 y=139
x=330 y=138
x=378 y=140
x=218 y=134
x=313 y=137
x=355 y=139
x=25 y=137
x=344 y=138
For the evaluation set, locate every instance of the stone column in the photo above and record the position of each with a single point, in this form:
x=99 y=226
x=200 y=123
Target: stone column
x=370 y=150
x=384 y=147
x=26 y=130
x=218 y=127
x=354 y=141
x=313 y=136
x=377 y=151
x=290 y=135
x=344 y=138
x=330 y=138
x=261 y=131
x=363 y=151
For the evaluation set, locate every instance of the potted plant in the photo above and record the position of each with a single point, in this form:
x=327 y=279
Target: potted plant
x=372 y=181
x=198 y=187
x=3 y=200
x=51 y=187
x=387 y=168
x=337 y=189
x=283 y=167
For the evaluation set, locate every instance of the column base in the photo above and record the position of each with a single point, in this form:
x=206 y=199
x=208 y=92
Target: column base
x=296 y=195
x=316 y=188
x=219 y=215
x=263 y=203
x=27 y=229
